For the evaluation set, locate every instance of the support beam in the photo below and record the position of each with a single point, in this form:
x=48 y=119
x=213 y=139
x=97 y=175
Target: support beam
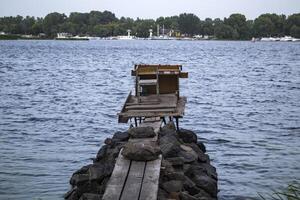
x=177 y=123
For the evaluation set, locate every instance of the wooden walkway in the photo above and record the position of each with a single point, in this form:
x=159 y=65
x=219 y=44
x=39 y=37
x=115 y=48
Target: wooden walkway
x=135 y=180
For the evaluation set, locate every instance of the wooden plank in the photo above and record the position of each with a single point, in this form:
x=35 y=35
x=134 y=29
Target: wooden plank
x=156 y=125
x=151 y=69
x=151 y=114
x=143 y=103
x=117 y=180
x=151 y=178
x=153 y=110
x=148 y=82
x=134 y=181
x=122 y=119
x=181 y=105
x=151 y=119
x=137 y=107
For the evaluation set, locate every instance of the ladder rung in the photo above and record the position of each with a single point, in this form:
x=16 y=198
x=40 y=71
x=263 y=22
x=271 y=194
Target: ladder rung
x=148 y=82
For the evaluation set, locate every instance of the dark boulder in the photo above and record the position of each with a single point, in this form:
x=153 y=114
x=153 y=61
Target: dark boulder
x=108 y=141
x=99 y=171
x=172 y=186
x=78 y=179
x=120 y=136
x=176 y=161
x=162 y=195
x=202 y=195
x=190 y=186
x=201 y=146
x=141 y=151
x=188 y=154
x=169 y=146
x=174 y=176
x=101 y=153
x=186 y=196
x=203 y=169
x=187 y=136
x=206 y=183
x=201 y=156
x=141 y=132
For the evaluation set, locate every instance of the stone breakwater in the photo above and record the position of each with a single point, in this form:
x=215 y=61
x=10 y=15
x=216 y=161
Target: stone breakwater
x=186 y=172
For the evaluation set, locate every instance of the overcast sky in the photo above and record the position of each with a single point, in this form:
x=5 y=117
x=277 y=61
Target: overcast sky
x=151 y=8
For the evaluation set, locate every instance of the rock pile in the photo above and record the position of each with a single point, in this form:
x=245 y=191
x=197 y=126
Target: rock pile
x=186 y=173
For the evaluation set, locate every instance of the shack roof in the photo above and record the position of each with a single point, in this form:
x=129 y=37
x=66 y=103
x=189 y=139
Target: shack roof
x=141 y=70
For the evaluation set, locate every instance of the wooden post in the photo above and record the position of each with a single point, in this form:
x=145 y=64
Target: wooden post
x=157 y=81
x=164 y=120
x=135 y=121
x=177 y=123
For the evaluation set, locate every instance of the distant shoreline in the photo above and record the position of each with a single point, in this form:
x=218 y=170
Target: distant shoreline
x=84 y=40
x=105 y=24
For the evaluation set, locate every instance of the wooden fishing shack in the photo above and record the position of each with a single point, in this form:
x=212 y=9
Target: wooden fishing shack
x=157 y=94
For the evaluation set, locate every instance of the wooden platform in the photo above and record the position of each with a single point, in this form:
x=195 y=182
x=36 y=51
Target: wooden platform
x=134 y=180
x=163 y=105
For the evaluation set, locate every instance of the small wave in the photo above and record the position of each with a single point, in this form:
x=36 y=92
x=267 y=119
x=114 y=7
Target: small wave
x=218 y=141
x=42 y=119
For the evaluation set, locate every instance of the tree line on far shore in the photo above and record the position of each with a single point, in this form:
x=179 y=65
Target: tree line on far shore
x=105 y=24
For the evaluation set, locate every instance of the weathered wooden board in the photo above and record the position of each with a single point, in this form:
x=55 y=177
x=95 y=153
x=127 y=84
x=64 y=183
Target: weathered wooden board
x=134 y=181
x=151 y=178
x=143 y=103
x=181 y=105
x=122 y=118
x=153 y=110
x=156 y=125
x=157 y=106
x=148 y=82
x=117 y=180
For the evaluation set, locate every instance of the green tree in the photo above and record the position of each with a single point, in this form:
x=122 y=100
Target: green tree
x=263 y=26
x=270 y=25
x=295 y=31
x=26 y=25
x=224 y=31
x=168 y=22
x=188 y=23
x=142 y=27
x=207 y=27
x=52 y=23
x=239 y=25
x=37 y=27
x=293 y=21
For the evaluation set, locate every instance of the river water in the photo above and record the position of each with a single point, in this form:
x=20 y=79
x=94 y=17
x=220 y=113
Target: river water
x=59 y=100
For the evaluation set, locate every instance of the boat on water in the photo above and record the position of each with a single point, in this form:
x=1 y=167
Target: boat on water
x=67 y=36
x=289 y=39
x=279 y=39
x=162 y=37
x=125 y=37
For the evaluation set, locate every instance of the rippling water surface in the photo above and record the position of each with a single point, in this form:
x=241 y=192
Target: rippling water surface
x=59 y=99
